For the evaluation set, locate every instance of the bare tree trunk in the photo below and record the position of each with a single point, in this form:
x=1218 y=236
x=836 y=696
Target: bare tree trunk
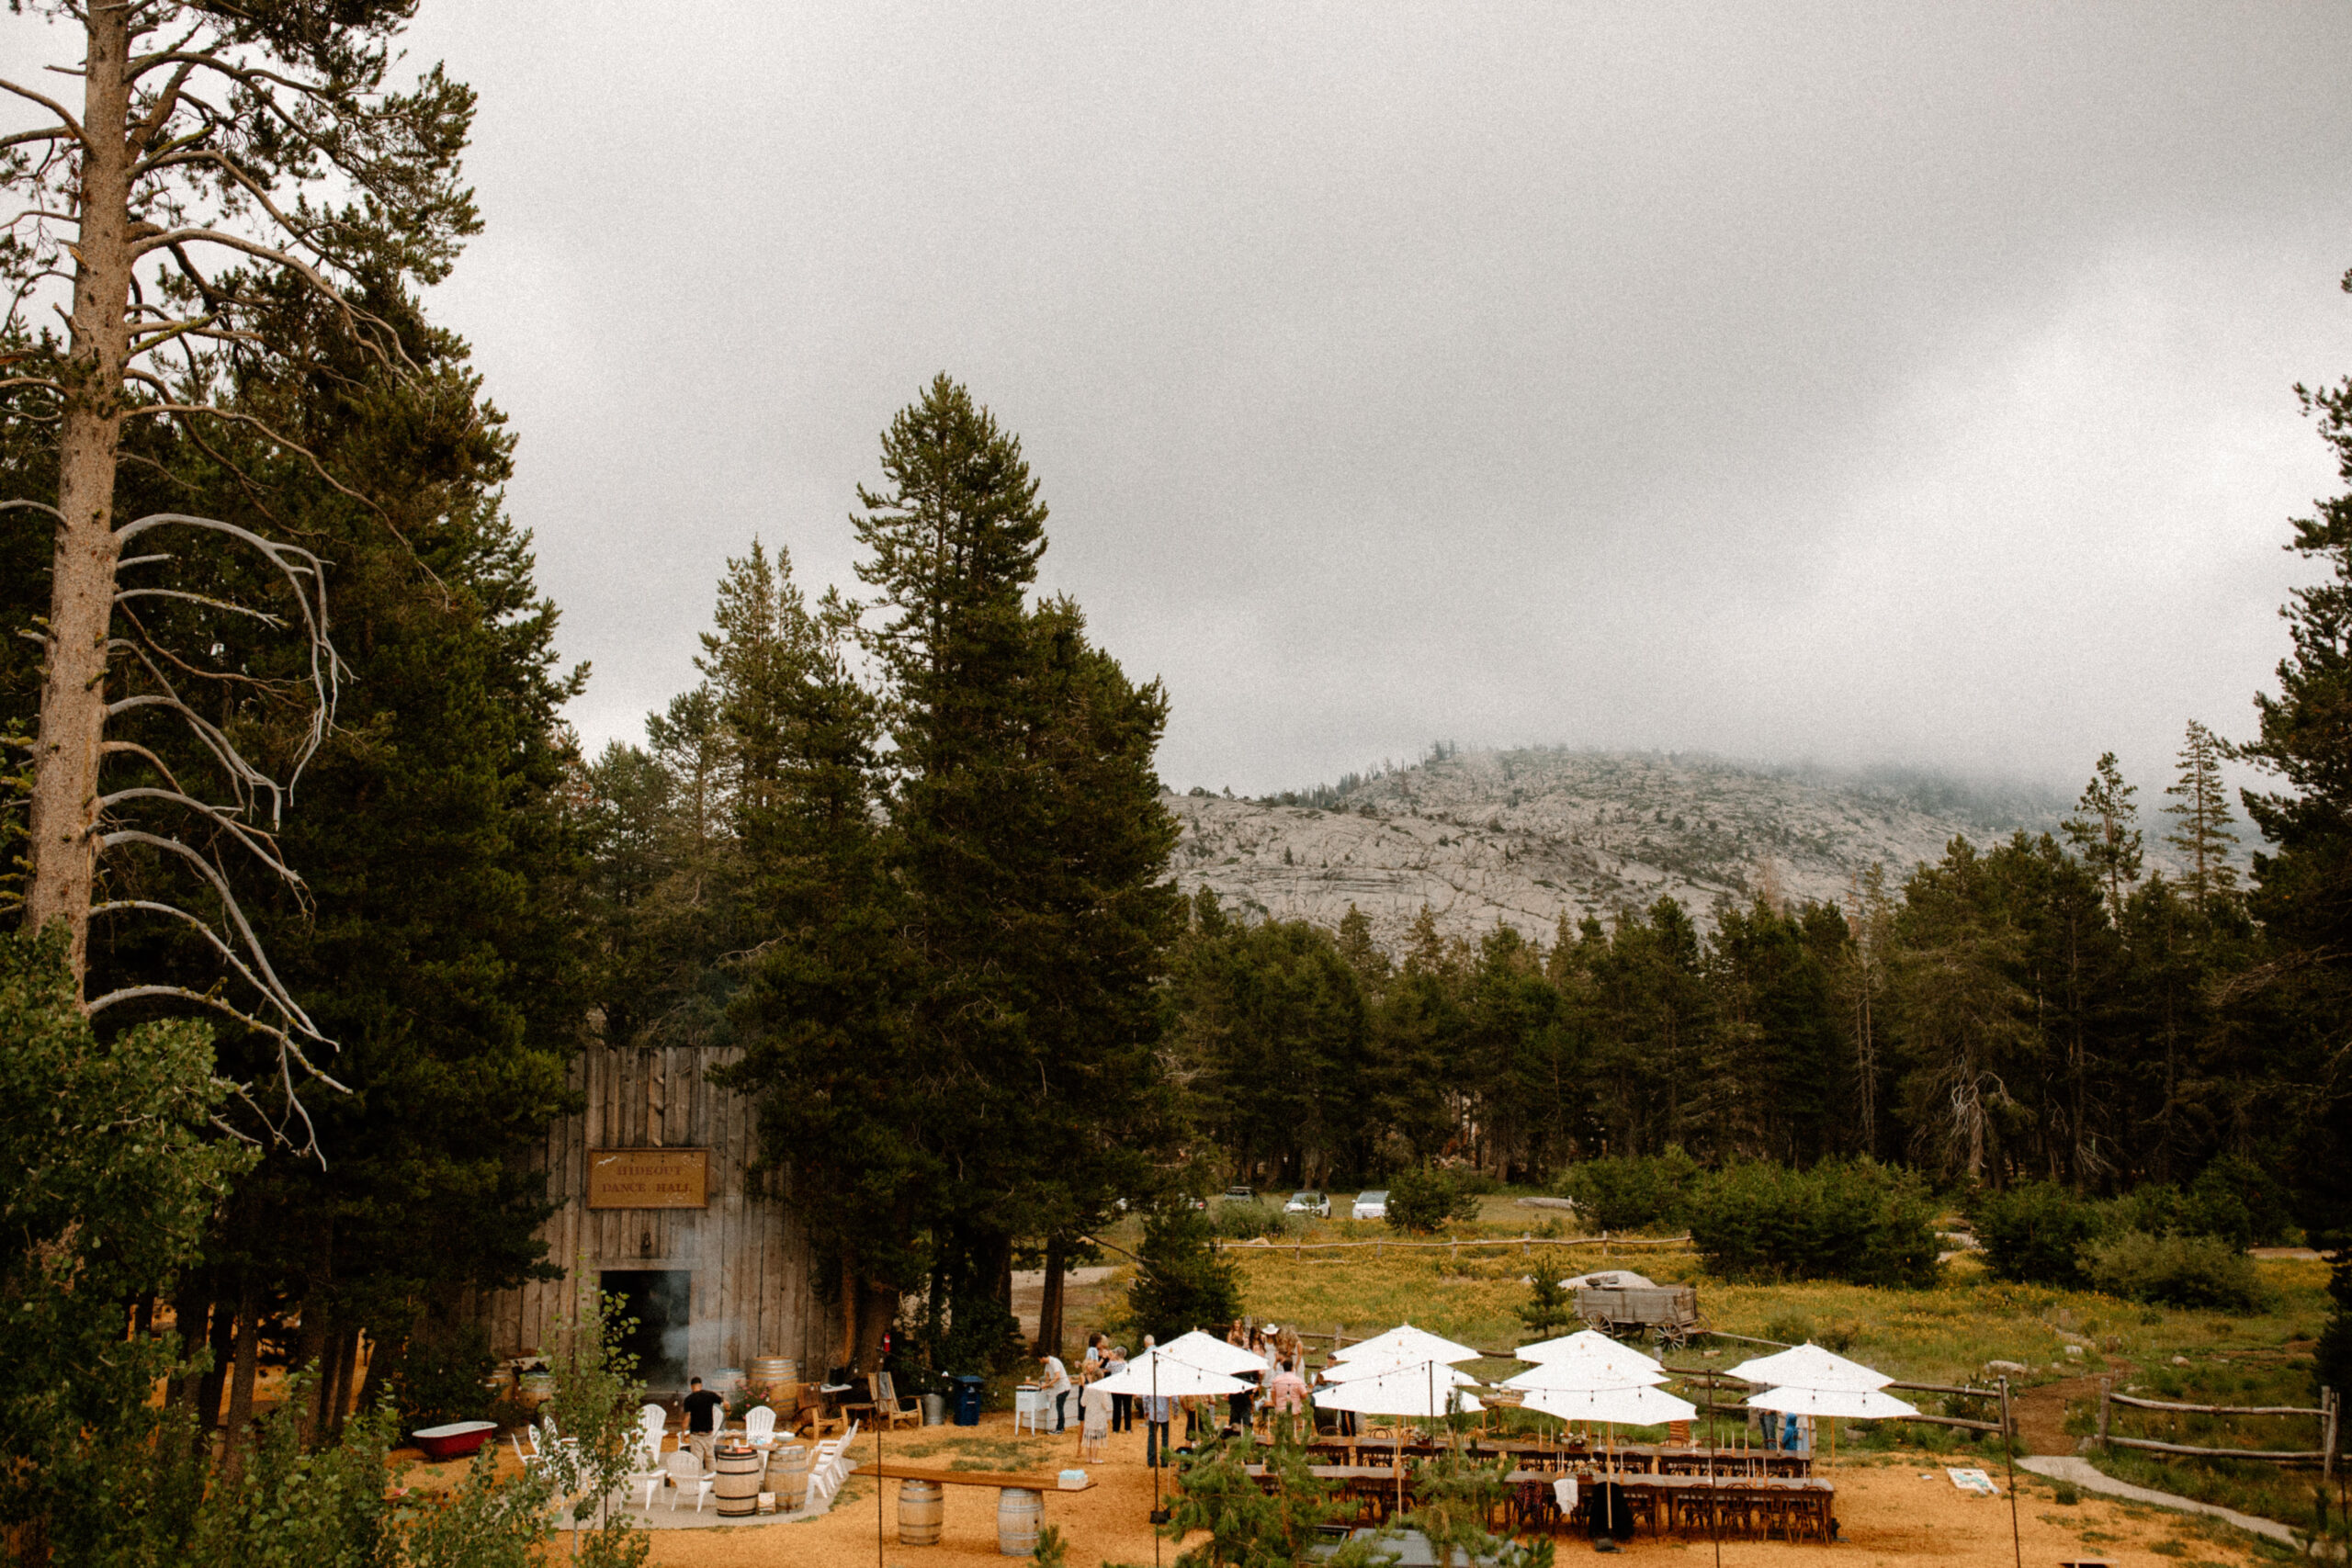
x=877 y=1309
x=849 y=1308
x=81 y=606
x=241 y=1380
x=311 y=1351
x=216 y=1378
x=188 y=1312
x=1049 y=1313
x=343 y=1357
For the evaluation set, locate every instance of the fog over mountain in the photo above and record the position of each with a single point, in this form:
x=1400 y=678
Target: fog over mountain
x=1521 y=837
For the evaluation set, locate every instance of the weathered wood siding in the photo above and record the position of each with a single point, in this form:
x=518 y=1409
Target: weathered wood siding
x=748 y=1252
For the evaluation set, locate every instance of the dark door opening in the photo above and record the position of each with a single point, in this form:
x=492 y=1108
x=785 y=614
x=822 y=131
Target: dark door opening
x=657 y=1298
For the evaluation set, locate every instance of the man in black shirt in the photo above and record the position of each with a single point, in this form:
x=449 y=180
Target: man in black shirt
x=704 y=1412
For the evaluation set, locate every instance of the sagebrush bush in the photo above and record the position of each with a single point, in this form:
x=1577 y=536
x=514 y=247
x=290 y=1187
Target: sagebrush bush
x=1624 y=1192
x=1247 y=1221
x=2175 y=1270
x=2034 y=1232
x=1854 y=1221
x=1421 y=1198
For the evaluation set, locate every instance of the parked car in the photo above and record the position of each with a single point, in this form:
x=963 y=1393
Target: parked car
x=1237 y=1195
x=1314 y=1203
x=1371 y=1205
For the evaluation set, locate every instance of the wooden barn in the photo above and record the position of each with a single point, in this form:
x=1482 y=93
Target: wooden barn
x=656 y=1203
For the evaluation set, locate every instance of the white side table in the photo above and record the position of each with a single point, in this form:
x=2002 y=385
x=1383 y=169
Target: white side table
x=1032 y=1402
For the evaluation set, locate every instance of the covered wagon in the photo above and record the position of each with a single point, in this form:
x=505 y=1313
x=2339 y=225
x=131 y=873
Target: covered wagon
x=1626 y=1305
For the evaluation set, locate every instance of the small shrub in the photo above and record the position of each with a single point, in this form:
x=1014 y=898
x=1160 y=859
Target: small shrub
x=1248 y=1221
x=1851 y=1219
x=2064 y=1494
x=2238 y=1201
x=2033 y=1233
x=2178 y=1270
x=1422 y=1198
x=1625 y=1193
x=1550 y=1309
x=1180 y=1282
x=442 y=1374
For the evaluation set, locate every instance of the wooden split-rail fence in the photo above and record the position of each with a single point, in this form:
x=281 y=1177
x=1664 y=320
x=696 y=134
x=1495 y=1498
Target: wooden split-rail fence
x=2330 y=1412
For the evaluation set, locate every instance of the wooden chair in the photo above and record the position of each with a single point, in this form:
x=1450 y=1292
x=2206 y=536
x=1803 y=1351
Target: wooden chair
x=888 y=1408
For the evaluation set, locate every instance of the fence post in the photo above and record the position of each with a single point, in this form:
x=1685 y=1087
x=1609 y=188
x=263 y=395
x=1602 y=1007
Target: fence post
x=2333 y=1403
x=2106 y=1386
x=1604 y=1247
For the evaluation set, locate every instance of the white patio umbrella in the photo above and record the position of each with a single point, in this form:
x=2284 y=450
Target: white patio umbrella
x=1597 y=1387
x=1207 y=1350
x=1640 y=1405
x=1589 y=1371
x=1809 y=1365
x=1858 y=1403
x=1157 y=1374
x=1584 y=1341
x=1413 y=1392
x=1357 y=1371
x=1406 y=1343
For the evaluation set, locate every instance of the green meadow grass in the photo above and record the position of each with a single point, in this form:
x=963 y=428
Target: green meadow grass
x=1946 y=1334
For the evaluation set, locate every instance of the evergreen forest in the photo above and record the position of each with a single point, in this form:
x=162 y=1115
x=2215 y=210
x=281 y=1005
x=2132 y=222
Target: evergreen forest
x=318 y=896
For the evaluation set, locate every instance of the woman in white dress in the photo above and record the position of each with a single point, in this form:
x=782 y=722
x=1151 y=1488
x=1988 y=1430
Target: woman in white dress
x=1095 y=1421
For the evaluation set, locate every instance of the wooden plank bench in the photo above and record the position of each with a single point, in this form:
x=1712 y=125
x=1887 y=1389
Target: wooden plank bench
x=1031 y=1481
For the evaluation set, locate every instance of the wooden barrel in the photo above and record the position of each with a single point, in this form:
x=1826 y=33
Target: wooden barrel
x=726 y=1382
x=1018 y=1509
x=922 y=1505
x=738 y=1487
x=770 y=1373
x=788 y=1475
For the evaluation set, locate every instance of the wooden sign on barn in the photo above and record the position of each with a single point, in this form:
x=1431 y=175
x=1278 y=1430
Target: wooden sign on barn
x=655 y=1201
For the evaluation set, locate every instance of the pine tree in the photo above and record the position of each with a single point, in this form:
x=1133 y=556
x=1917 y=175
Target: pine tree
x=1028 y=840
x=2201 y=806
x=2107 y=832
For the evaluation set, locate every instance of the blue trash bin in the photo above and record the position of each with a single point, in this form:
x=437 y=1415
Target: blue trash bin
x=968 y=1399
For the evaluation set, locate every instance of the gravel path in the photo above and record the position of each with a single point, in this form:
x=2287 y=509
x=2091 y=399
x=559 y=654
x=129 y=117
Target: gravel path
x=2090 y=1478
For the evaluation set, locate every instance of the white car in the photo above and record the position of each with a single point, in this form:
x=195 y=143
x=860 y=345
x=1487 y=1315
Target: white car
x=1314 y=1203
x=1371 y=1205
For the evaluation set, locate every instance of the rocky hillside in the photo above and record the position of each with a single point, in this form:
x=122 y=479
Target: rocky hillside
x=1520 y=836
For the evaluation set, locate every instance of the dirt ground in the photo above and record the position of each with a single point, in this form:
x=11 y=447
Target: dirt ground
x=1890 y=1518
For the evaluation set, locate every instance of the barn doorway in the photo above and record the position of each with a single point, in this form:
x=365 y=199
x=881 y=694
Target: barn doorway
x=659 y=1300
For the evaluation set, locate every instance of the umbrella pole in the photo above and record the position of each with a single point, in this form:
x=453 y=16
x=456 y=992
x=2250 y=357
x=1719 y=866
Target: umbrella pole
x=1714 y=1524
x=1164 y=1438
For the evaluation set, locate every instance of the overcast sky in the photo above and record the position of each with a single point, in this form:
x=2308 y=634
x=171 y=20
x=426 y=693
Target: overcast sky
x=1848 y=382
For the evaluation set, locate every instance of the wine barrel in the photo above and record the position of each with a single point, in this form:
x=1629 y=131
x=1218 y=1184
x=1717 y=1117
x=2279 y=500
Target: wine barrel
x=728 y=1384
x=1018 y=1510
x=738 y=1487
x=788 y=1475
x=922 y=1505
x=771 y=1373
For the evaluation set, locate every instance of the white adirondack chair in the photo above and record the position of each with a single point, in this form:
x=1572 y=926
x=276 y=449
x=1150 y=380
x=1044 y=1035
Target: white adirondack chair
x=685 y=1470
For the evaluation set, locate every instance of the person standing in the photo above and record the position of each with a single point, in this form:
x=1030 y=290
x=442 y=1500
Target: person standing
x=1158 y=1447
x=1237 y=1405
x=1287 y=1397
x=704 y=1413
x=1055 y=1386
x=1122 y=1410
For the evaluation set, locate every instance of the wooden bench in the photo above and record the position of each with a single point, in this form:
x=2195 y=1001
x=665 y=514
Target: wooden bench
x=1029 y=1481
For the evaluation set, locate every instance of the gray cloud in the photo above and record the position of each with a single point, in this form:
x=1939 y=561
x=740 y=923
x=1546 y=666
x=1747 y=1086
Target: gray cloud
x=1833 y=381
